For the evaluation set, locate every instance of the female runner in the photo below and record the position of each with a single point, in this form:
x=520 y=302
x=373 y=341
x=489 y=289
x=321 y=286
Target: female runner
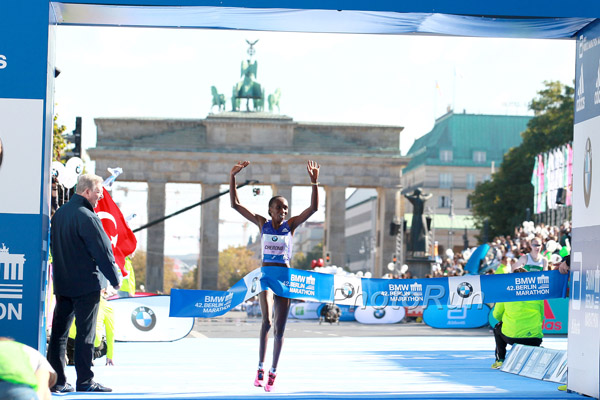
x=276 y=230
x=534 y=260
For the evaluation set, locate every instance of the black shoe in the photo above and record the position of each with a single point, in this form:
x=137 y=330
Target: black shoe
x=66 y=388
x=94 y=387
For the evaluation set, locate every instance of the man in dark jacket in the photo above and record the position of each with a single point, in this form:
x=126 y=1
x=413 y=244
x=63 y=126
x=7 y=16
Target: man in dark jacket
x=81 y=251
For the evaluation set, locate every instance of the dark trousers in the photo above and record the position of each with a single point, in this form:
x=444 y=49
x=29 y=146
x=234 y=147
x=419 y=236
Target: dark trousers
x=99 y=351
x=502 y=341
x=85 y=310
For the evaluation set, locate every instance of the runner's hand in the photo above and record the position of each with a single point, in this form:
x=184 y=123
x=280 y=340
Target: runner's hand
x=239 y=166
x=313 y=171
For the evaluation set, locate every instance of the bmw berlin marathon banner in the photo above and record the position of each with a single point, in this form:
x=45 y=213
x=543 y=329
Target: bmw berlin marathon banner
x=23 y=266
x=146 y=319
x=584 y=308
x=297 y=284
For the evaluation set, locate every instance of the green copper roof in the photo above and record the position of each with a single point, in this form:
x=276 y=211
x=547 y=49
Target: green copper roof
x=464 y=134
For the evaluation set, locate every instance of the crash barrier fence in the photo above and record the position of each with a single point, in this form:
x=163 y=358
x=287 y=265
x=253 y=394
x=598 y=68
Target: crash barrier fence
x=537 y=363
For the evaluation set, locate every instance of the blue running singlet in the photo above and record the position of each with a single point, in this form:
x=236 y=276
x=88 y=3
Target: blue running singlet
x=276 y=245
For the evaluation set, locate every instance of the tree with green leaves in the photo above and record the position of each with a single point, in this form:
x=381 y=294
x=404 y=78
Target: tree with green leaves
x=503 y=201
x=303 y=261
x=234 y=264
x=58 y=141
x=170 y=279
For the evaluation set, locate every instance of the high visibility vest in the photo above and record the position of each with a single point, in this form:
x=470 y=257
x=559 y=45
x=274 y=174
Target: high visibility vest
x=15 y=365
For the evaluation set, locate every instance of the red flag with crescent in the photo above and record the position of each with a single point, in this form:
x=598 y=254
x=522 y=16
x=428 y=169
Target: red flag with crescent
x=121 y=236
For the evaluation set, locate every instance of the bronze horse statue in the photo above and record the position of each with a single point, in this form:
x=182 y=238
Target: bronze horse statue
x=217 y=99
x=273 y=100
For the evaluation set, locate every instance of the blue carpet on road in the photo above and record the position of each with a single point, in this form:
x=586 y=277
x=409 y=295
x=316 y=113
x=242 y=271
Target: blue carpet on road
x=317 y=368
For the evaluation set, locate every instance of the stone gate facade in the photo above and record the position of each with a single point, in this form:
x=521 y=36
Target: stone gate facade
x=158 y=151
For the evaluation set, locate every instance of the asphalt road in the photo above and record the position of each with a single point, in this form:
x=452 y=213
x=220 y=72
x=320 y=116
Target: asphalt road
x=236 y=324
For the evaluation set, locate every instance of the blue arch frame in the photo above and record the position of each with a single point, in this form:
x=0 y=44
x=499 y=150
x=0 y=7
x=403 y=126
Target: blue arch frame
x=27 y=86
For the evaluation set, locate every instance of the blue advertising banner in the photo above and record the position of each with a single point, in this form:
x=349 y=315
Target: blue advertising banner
x=584 y=310
x=21 y=280
x=456 y=291
x=587 y=69
x=463 y=290
x=285 y=282
x=379 y=315
x=444 y=317
x=25 y=136
x=556 y=316
x=23 y=48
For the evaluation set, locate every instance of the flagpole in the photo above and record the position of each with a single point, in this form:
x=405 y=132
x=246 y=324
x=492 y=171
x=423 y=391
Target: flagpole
x=149 y=224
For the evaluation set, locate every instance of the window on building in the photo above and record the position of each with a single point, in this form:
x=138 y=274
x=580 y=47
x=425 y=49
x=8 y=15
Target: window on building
x=468 y=203
x=443 y=202
x=471 y=181
x=445 y=180
x=479 y=157
x=486 y=177
x=446 y=155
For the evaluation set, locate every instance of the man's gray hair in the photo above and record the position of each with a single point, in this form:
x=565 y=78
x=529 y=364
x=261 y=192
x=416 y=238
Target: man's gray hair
x=87 y=181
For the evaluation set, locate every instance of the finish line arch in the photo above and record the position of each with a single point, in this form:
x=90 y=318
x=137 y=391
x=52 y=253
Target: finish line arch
x=26 y=111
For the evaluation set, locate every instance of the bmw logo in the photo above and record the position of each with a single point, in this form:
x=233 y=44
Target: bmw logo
x=254 y=284
x=143 y=318
x=347 y=290
x=274 y=238
x=464 y=290
x=379 y=313
x=587 y=172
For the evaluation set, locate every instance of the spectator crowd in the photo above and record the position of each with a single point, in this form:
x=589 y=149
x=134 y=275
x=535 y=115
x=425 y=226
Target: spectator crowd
x=505 y=251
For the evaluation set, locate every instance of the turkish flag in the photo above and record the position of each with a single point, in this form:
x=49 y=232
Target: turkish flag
x=121 y=236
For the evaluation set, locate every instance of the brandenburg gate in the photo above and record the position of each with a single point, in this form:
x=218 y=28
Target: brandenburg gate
x=157 y=151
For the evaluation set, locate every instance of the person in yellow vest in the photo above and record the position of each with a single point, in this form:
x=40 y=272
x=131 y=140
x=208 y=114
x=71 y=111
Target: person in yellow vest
x=128 y=284
x=104 y=324
x=520 y=322
x=504 y=267
x=25 y=374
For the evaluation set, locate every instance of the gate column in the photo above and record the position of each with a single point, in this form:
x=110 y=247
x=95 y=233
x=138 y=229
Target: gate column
x=335 y=225
x=155 y=254
x=208 y=264
x=388 y=203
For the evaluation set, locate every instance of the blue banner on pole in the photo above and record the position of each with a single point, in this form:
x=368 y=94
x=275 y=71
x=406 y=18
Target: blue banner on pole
x=474 y=263
x=455 y=291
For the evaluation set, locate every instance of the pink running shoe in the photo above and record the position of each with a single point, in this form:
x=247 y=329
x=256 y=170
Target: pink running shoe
x=270 y=382
x=260 y=377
